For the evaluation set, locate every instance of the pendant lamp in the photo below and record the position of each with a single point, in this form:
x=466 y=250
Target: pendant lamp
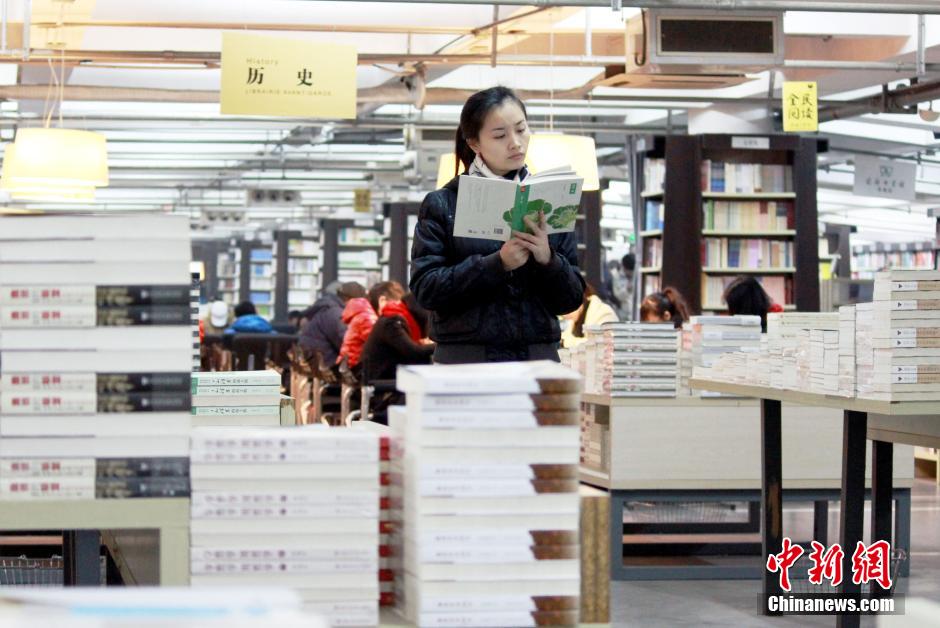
x=551 y=150
x=445 y=169
x=55 y=164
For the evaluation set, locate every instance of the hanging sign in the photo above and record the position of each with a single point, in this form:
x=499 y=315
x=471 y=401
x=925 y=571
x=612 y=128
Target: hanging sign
x=800 y=106
x=277 y=76
x=884 y=178
x=363 y=200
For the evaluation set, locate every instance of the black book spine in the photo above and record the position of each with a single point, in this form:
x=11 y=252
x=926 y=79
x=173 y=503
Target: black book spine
x=122 y=488
x=144 y=315
x=145 y=402
x=142 y=382
x=142 y=467
x=123 y=296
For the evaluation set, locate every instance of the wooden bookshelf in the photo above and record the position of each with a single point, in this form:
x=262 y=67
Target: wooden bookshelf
x=787 y=168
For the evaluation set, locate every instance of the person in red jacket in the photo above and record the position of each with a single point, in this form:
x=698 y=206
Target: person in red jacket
x=360 y=316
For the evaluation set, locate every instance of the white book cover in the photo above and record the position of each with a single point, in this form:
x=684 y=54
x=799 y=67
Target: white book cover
x=46 y=467
x=235 y=393
x=107 y=228
x=363 y=551
x=124 y=250
x=265 y=399
x=367 y=568
x=142 y=424
x=338 y=497
x=286 y=511
x=283 y=471
x=138 y=337
x=493 y=208
x=129 y=361
x=545 y=569
x=275 y=579
x=101 y=273
x=477 y=403
x=283 y=526
x=284 y=456
x=97 y=447
x=534 y=436
x=236 y=378
x=259 y=410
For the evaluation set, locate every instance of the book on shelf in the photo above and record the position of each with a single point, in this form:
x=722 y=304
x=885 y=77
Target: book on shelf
x=652 y=252
x=654 y=215
x=493 y=208
x=767 y=216
x=654 y=177
x=746 y=253
x=743 y=178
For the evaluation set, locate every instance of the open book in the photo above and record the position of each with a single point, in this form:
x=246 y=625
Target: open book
x=493 y=208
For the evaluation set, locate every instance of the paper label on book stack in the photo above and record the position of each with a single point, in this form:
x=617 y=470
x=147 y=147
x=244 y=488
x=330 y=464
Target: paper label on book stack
x=492 y=512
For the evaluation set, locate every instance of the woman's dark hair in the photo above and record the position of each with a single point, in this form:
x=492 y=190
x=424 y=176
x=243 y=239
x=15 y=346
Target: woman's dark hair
x=417 y=312
x=388 y=289
x=745 y=295
x=245 y=307
x=472 y=118
x=668 y=300
x=577 y=328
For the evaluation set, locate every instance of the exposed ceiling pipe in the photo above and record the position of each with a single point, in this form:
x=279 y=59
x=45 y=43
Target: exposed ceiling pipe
x=930 y=7
x=886 y=102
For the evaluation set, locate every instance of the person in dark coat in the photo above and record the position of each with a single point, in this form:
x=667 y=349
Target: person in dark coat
x=492 y=301
x=397 y=338
x=324 y=329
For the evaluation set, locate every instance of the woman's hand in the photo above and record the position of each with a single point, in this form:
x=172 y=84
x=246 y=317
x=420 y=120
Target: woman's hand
x=535 y=243
x=513 y=254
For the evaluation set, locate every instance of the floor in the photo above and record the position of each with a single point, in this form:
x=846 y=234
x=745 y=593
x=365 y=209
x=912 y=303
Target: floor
x=735 y=602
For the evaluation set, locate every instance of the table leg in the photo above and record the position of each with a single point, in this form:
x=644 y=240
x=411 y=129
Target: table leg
x=882 y=489
x=821 y=521
x=81 y=552
x=852 y=513
x=771 y=493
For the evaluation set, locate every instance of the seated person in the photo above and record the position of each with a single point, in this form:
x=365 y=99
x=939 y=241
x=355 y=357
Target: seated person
x=593 y=311
x=665 y=306
x=745 y=295
x=398 y=337
x=359 y=315
x=247 y=321
x=324 y=329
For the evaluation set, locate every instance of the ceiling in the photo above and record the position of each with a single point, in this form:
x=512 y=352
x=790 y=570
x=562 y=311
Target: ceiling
x=147 y=75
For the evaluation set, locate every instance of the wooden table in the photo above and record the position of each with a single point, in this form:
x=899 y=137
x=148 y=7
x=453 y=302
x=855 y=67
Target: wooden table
x=885 y=423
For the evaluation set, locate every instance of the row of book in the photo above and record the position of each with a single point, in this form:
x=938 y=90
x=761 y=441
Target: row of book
x=358 y=259
x=96 y=350
x=236 y=398
x=887 y=350
x=629 y=359
x=655 y=215
x=715 y=338
x=738 y=178
x=748 y=215
x=485 y=495
x=654 y=177
x=746 y=253
x=294 y=507
x=874 y=261
x=653 y=252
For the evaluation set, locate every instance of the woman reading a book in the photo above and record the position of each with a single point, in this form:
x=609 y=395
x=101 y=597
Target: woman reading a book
x=492 y=301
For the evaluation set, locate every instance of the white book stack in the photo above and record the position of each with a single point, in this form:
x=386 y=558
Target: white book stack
x=95 y=357
x=824 y=354
x=713 y=336
x=781 y=351
x=905 y=337
x=236 y=398
x=686 y=361
x=864 y=349
x=635 y=359
x=294 y=507
x=486 y=491
x=846 y=351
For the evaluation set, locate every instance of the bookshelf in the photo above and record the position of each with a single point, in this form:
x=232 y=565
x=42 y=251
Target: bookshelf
x=228 y=273
x=708 y=211
x=297 y=271
x=261 y=277
x=351 y=250
x=869 y=259
x=398 y=236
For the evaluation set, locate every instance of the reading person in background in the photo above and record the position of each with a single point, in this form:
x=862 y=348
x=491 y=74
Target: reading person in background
x=745 y=295
x=247 y=321
x=593 y=311
x=665 y=306
x=360 y=315
x=492 y=301
x=324 y=330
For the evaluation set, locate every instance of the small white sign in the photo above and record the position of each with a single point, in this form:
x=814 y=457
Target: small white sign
x=905 y=379
x=885 y=178
x=905 y=343
x=754 y=143
x=904 y=286
x=904 y=306
x=905 y=332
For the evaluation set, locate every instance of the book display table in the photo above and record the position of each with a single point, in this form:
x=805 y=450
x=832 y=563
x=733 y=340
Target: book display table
x=82 y=519
x=885 y=423
x=691 y=449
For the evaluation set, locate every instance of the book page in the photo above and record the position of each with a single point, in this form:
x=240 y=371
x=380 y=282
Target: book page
x=481 y=204
x=558 y=197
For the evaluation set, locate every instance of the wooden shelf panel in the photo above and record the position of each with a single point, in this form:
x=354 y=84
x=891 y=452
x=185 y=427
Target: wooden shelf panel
x=650 y=270
x=751 y=196
x=711 y=270
x=651 y=233
x=658 y=194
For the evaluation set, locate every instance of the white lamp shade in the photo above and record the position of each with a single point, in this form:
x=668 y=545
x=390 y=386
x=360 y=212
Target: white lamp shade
x=57 y=158
x=51 y=191
x=551 y=150
x=446 y=168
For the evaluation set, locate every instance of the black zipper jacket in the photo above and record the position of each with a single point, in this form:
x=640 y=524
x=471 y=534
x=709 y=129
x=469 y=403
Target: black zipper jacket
x=472 y=300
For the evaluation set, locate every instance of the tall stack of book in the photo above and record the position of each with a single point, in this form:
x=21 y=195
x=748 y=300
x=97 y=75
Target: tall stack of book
x=95 y=356
x=686 y=360
x=714 y=335
x=824 y=354
x=905 y=336
x=296 y=507
x=236 y=398
x=486 y=490
x=194 y=317
x=636 y=359
x=864 y=348
x=847 y=351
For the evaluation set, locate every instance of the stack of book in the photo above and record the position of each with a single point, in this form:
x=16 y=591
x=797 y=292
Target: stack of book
x=686 y=361
x=194 y=318
x=595 y=439
x=486 y=488
x=236 y=398
x=824 y=354
x=713 y=336
x=864 y=348
x=296 y=507
x=635 y=359
x=905 y=336
x=847 y=351
x=95 y=356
